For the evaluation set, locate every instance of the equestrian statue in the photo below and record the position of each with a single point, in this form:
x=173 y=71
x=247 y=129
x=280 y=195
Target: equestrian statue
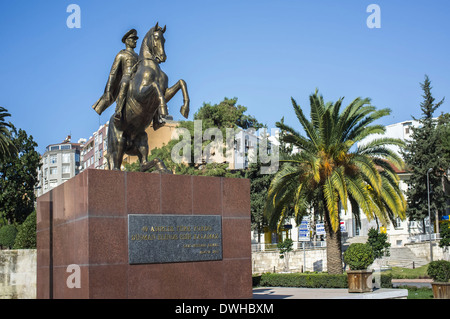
x=141 y=92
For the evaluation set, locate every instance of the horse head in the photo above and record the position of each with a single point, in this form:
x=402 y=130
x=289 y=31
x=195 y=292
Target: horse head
x=153 y=45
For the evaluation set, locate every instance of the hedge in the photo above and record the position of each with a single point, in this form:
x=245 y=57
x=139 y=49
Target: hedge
x=7 y=236
x=310 y=280
x=26 y=235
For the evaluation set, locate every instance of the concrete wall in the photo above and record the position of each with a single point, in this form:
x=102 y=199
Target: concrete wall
x=423 y=250
x=309 y=260
x=18 y=274
x=316 y=259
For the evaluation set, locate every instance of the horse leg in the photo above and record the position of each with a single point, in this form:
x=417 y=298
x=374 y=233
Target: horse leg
x=146 y=90
x=141 y=145
x=120 y=151
x=116 y=146
x=170 y=92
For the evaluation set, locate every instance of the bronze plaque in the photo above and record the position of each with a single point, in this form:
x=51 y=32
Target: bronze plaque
x=174 y=238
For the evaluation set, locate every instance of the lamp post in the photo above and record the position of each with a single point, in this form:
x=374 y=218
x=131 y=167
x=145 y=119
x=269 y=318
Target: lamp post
x=429 y=212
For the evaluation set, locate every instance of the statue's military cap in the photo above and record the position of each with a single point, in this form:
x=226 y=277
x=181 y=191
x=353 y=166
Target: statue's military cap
x=131 y=33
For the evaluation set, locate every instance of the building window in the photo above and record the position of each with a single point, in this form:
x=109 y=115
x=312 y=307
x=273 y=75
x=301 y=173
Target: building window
x=53 y=159
x=66 y=147
x=66 y=169
x=54 y=148
x=407 y=128
x=53 y=170
x=398 y=223
x=66 y=158
x=53 y=183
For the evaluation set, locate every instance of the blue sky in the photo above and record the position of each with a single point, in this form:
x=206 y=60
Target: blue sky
x=262 y=52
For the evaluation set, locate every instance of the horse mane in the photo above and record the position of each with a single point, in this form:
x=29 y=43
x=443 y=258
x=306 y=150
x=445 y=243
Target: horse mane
x=146 y=51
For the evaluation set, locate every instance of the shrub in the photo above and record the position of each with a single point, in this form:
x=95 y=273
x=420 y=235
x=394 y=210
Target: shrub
x=379 y=243
x=439 y=270
x=445 y=235
x=386 y=280
x=26 y=236
x=7 y=236
x=310 y=280
x=285 y=247
x=359 y=256
x=256 y=279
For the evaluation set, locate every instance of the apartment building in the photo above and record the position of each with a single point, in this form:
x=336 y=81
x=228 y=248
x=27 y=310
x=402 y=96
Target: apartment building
x=60 y=162
x=94 y=149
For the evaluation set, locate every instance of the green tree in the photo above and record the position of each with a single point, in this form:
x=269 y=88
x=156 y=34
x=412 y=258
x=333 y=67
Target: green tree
x=421 y=153
x=379 y=243
x=284 y=248
x=7 y=236
x=443 y=133
x=6 y=145
x=445 y=235
x=18 y=177
x=330 y=171
x=225 y=115
x=259 y=185
x=26 y=233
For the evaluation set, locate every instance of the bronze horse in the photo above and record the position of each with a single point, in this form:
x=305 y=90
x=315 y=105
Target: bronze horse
x=146 y=101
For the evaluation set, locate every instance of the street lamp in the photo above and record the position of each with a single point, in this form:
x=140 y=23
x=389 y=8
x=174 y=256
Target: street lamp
x=429 y=213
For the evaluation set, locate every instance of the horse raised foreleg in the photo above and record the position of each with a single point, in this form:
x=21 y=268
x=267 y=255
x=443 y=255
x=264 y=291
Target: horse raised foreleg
x=170 y=92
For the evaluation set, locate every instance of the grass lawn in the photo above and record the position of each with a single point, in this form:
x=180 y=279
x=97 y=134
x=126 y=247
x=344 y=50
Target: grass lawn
x=417 y=273
x=419 y=293
x=407 y=273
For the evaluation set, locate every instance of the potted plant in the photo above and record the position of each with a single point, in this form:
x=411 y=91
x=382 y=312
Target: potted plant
x=358 y=257
x=439 y=271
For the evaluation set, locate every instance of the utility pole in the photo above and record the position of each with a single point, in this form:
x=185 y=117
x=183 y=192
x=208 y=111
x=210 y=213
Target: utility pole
x=429 y=212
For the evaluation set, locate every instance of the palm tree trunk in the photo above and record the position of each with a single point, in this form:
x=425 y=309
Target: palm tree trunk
x=334 y=249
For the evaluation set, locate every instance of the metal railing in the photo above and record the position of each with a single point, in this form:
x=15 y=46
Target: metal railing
x=296 y=246
x=423 y=238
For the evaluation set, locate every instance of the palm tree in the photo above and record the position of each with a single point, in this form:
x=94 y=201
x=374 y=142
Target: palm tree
x=331 y=171
x=6 y=146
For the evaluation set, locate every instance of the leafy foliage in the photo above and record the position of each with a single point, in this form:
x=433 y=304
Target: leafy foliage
x=359 y=256
x=26 y=233
x=330 y=170
x=224 y=115
x=423 y=152
x=308 y=280
x=227 y=114
x=18 y=177
x=259 y=184
x=443 y=133
x=311 y=280
x=6 y=145
x=7 y=236
x=379 y=243
x=445 y=234
x=439 y=270
x=285 y=247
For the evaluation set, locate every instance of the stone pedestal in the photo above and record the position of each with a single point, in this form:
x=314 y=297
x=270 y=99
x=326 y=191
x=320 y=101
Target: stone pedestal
x=84 y=222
